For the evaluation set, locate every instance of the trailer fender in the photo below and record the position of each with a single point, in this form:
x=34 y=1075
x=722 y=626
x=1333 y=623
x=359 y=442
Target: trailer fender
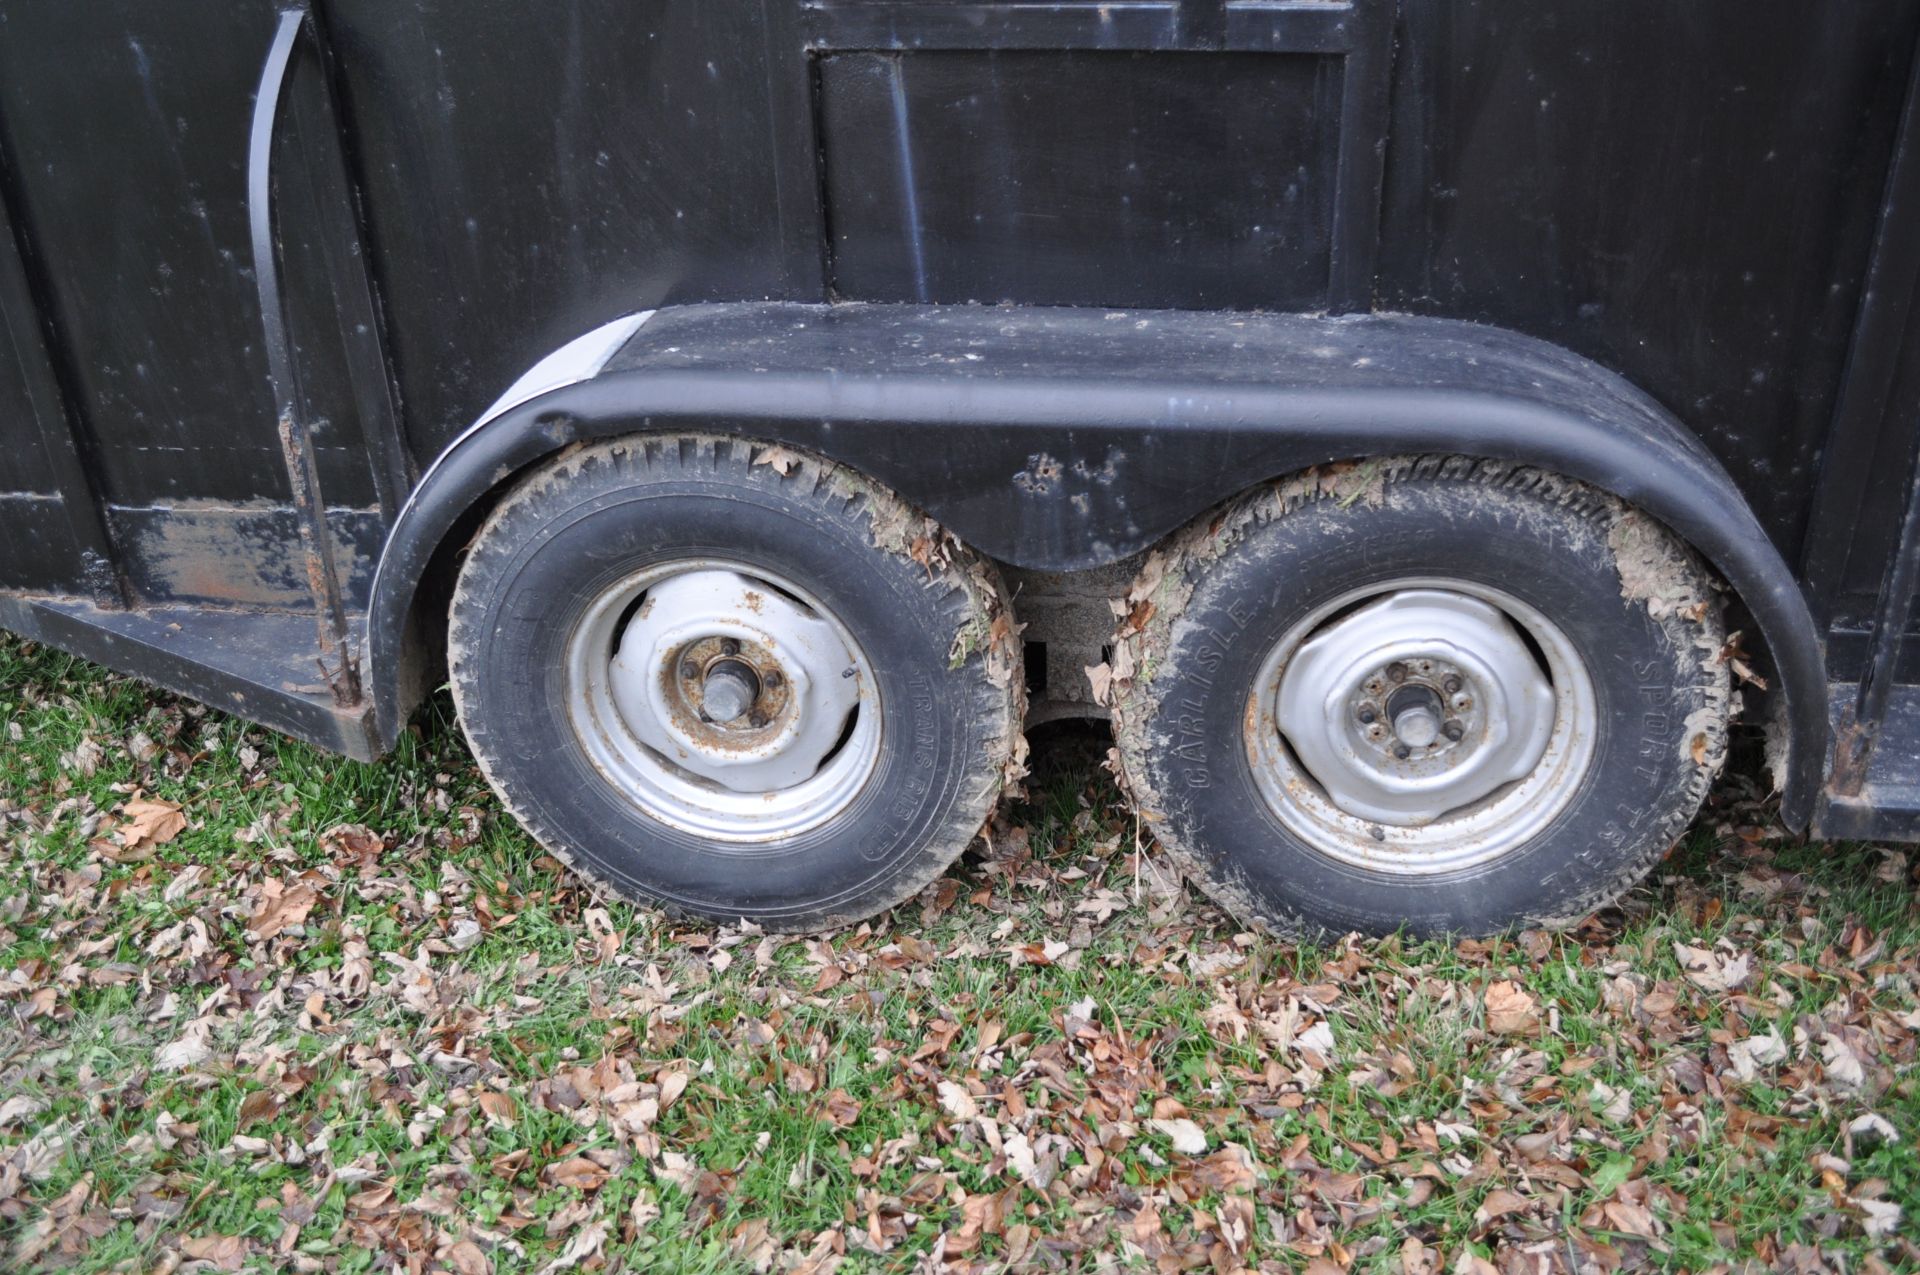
x=1060 y=439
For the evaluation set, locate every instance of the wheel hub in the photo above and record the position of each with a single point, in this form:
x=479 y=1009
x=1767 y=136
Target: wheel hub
x=725 y=688
x=1416 y=713
x=724 y=701
x=728 y=692
x=1415 y=705
x=734 y=681
x=1424 y=727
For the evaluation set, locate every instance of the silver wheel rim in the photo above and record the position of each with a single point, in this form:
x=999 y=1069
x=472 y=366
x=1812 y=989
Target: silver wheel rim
x=724 y=700
x=1411 y=729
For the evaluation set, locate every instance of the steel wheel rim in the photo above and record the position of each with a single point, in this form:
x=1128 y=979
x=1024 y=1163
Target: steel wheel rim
x=1446 y=828
x=644 y=723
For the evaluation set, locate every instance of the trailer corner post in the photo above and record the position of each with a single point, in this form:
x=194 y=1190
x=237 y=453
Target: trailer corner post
x=338 y=662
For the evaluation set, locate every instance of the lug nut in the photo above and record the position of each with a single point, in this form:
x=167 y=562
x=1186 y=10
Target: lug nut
x=728 y=646
x=1402 y=751
x=1453 y=731
x=773 y=681
x=758 y=718
x=1396 y=672
x=689 y=669
x=1452 y=684
x=1366 y=713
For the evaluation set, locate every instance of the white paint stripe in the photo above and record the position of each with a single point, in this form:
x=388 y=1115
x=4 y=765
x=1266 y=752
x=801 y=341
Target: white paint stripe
x=580 y=359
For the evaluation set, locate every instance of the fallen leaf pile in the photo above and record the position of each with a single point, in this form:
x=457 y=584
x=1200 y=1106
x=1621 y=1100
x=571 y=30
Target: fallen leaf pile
x=268 y=1010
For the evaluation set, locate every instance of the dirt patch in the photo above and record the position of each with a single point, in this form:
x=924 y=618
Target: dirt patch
x=1654 y=568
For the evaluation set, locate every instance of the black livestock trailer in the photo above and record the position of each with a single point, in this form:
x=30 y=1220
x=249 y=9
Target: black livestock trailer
x=1422 y=427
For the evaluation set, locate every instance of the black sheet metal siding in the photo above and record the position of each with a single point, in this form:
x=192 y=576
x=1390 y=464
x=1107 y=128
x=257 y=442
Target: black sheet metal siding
x=536 y=169
x=1686 y=194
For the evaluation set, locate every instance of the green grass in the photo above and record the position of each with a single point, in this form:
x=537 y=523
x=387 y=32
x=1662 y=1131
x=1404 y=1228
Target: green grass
x=573 y=1079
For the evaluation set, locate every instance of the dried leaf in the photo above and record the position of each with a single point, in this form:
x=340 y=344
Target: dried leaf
x=579 y=1173
x=586 y=1243
x=779 y=459
x=1510 y=1010
x=1187 y=1137
x=1749 y=1056
x=1717 y=969
x=465 y=1258
x=497 y=1106
x=150 y=823
x=1498 y=1203
x=1879 y=1218
x=840 y=1108
x=189 y=1050
x=980 y=1216
x=223 y=1252
x=280 y=908
x=1100 y=680
x=957 y=1102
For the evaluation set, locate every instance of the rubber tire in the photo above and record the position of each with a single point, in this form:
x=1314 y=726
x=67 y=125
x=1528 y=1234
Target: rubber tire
x=1235 y=582
x=593 y=517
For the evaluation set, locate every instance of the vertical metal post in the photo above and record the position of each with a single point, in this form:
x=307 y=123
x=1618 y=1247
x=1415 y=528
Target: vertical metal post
x=1853 y=749
x=346 y=239
x=1366 y=81
x=1202 y=24
x=1874 y=353
x=1879 y=340
x=339 y=663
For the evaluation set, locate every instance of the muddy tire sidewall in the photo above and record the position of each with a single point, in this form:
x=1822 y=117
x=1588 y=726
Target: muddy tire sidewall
x=579 y=527
x=1660 y=699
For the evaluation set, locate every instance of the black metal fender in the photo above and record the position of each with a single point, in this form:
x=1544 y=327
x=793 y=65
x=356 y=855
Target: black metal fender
x=1064 y=438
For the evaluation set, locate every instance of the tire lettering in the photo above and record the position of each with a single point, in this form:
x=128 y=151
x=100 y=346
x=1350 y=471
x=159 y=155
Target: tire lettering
x=1189 y=744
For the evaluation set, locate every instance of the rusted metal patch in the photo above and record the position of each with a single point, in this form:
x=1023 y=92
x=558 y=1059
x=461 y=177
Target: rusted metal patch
x=237 y=555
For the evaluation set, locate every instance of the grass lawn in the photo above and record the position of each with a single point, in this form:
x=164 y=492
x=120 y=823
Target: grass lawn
x=328 y=1016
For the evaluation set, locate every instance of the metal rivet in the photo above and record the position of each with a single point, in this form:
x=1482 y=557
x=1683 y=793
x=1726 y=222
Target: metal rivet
x=773 y=680
x=758 y=719
x=1452 y=684
x=1379 y=833
x=729 y=646
x=1396 y=672
x=1367 y=713
x=689 y=669
x=1402 y=751
x=1453 y=730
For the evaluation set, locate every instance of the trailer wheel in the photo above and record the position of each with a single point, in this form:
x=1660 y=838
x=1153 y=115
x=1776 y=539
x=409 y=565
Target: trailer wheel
x=733 y=681
x=1442 y=695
